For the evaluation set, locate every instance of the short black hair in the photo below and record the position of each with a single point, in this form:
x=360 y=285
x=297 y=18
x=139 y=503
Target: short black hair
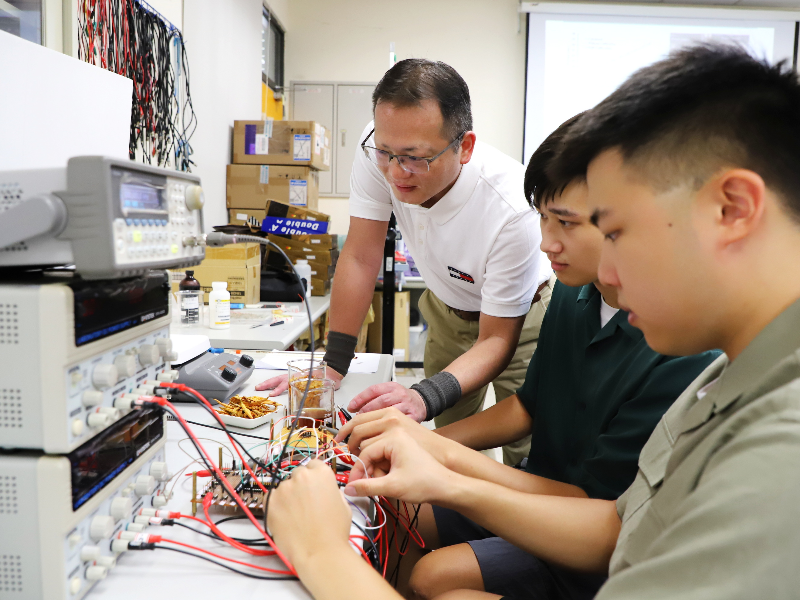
x=541 y=184
x=682 y=119
x=413 y=80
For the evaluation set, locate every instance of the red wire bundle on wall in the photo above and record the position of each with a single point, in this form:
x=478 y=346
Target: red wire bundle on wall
x=131 y=39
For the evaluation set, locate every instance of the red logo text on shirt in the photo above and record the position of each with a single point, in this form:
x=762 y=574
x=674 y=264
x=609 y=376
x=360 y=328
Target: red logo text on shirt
x=456 y=274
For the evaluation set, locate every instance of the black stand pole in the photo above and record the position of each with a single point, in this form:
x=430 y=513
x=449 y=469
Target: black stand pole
x=389 y=287
x=387 y=325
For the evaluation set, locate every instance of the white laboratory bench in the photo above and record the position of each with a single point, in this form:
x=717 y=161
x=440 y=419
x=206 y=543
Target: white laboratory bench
x=245 y=337
x=166 y=574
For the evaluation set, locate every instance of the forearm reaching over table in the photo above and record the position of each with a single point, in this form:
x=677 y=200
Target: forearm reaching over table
x=497 y=341
x=491 y=354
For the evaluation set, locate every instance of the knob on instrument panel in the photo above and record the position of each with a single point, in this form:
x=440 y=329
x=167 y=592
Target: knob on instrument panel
x=92 y=397
x=96 y=420
x=90 y=553
x=96 y=573
x=159 y=471
x=246 y=361
x=126 y=365
x=104 y=376
x=101 y=527
x=164 y=345
x=194 y=197
x=121 y=508
x=145 y=485
x=228 y=374
x=112 y=412
x=109 y=562
x=167 y=376
x=149 y=354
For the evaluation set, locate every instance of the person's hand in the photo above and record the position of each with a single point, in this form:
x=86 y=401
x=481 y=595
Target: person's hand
x=307 y=513
x=366 y=426
x=396 y=466
x=280 y=383
x=383 y=395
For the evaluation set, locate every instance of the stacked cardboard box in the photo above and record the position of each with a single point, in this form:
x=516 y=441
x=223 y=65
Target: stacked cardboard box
x=320 y=250
x=278 y=210
x=274 y=181
x=239 y=265
x=250 y=186
x=276 y=160
x=321 y=257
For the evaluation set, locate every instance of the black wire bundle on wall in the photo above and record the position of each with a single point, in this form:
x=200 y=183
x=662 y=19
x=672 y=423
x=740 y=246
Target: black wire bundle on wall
x=131 y=39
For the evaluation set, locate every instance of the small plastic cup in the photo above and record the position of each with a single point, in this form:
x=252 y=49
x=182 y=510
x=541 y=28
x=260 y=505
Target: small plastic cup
x=319 y=400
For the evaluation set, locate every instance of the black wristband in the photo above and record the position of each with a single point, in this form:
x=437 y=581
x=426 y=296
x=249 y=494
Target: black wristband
x=340 y=351
x=438 y=393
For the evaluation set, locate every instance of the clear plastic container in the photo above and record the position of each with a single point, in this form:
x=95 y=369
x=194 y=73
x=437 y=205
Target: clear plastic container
x=304 y=271
x=190 y=305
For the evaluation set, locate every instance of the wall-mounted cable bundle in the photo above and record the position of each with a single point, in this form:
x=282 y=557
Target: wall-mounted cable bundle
x=132 y=39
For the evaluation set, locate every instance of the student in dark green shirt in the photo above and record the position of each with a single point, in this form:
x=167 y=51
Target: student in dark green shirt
x=593 y=393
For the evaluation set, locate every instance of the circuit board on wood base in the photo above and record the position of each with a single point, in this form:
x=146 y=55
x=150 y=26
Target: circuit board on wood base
x=305 y=443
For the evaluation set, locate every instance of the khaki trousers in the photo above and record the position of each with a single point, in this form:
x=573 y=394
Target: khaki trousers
x=450 y=336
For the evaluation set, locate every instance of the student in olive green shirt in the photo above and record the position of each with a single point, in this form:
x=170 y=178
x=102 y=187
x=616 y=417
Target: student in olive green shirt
x=593 y=393
x=691 y=167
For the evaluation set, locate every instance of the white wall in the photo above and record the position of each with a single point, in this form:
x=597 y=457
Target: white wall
x=280 y=9
x=224 y=49
x=348 y=40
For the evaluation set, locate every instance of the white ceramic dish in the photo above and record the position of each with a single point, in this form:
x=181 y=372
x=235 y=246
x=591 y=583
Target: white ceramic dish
x=243 y=423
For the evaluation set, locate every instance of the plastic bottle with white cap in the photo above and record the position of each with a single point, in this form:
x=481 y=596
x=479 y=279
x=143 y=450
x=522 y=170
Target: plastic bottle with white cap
x=304 y=270
x=219 y=306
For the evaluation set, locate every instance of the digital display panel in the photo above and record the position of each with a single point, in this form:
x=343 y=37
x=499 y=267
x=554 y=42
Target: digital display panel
x=140 y=197
x=96 y=463
x=108 y=307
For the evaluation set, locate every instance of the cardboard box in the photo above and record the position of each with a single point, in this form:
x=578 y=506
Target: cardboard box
x=238 y=264
x=239 y=216
x=325 y=241
x=298 y=143
x=244 y=281
x=361 y=343
x=250 y=186
x=321 y=270
x=279 y=210
x=402 y=321
x=289 y=243
x=233 y=252
x=296 y=249
x=274 y=208
x=322 y=257
x=320 y=287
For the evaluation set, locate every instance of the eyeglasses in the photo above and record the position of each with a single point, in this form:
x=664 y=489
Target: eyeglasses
x=412 y=164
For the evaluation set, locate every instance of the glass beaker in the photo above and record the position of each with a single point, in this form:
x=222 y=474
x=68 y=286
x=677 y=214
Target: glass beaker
x=319 y=400
x=299 y=368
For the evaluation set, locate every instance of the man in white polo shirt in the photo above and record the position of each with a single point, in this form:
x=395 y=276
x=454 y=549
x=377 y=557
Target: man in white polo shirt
x=461 y=209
